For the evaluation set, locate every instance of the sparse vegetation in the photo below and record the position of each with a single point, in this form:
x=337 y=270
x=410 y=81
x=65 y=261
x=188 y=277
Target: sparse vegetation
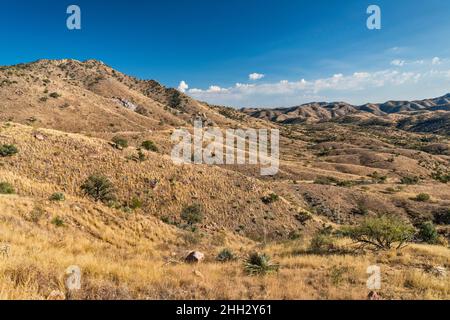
x=410 y=180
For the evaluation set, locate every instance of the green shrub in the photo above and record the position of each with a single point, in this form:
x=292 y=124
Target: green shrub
x=271 y=198
x=326 y=180
x=58 y=196
x=54 y=95
x=6 y=188
x=149 y=146
x=225 y=255
x=381 y=232
x=8 y=150
x=57 y=221
x=422 y=197
x=99 y=188
x=259 y=264
x=119 y=142
x=135 y=203
x=410 y=180
x=323 y=241
x=442 y=216
x=428 y=233
x=192 y=214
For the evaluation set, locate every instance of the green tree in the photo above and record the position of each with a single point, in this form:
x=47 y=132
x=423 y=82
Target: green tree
x=381 y=232
x=99 y=188
x=192 y=214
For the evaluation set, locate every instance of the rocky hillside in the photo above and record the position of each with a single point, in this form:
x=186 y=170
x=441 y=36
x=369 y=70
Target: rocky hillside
x=429 y=115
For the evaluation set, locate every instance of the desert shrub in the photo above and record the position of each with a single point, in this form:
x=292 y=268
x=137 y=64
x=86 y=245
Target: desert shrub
x=442 y=216
x=54 y=95
x=141 y=156
x=192 y=214
x=119 y=142
x=6 y=188
x=422 y=197
x=378 y=178
x=135 y=203
x=271 y=198
x=225 y=255
x=259 y=264
x=441 y=177
x=36 y=214
x=410 y=180
x=326 y=180
x=57 y=221
x=7 y=150
x=381 y=232
x=149 y=146
x=323 y=241
x=99 y=188
x=58 y=196
x=428 y=233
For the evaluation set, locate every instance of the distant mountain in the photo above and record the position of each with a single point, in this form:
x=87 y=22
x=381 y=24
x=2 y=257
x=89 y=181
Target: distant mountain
x=429 y=115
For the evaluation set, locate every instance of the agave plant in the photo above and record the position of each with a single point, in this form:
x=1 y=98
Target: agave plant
x=260 y=264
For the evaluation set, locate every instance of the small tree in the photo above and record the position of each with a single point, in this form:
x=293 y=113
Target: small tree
x=192 y=214
x=428 y=233
x=99 y=188
x=381 y=232
x=8 y=150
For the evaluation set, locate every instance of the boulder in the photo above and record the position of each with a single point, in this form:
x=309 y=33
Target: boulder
x=195 y=257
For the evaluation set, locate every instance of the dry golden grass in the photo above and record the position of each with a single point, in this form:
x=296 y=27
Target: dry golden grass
x=132 y=254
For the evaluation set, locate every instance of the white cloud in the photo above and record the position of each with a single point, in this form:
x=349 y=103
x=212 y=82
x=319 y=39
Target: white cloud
x=255 y=76
x=183 y=86
x=398 y=63
x=436 y=61
x=417 y=79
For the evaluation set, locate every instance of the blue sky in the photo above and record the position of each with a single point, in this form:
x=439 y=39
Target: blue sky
x=298 y=51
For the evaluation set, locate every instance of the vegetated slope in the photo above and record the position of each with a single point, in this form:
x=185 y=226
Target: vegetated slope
x=430 y=115
x=89 y=96
x=339 y=167
x=229 y=199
